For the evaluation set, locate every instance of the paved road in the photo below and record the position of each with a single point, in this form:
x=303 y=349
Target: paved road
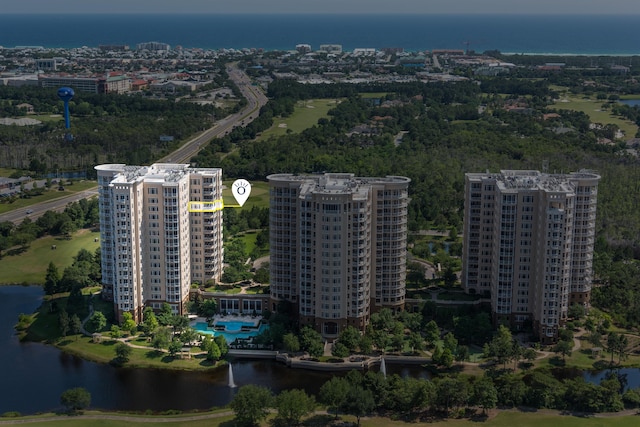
x=255 y=100
x=18 y=215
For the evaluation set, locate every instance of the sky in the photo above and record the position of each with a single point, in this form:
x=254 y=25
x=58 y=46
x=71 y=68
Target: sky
x=325 y=6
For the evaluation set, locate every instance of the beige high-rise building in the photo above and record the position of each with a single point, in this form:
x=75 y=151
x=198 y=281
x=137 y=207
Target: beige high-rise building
x=338 y=247
x=160 y=231
x=528 y=243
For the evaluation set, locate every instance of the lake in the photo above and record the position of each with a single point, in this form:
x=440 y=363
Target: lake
x=34 y=375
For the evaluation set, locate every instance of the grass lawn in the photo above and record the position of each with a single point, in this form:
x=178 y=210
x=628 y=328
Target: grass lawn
x=104 y=352
x=502 y=419
x=592 y=107
x=7 y=172
x=305 y=115
x=31 y=266
x=259 y=196
x=249 y=239
x=52 y=194
x=220 y=418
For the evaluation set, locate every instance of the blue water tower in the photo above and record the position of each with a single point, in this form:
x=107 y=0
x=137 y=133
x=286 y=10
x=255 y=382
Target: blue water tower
x=65 y=94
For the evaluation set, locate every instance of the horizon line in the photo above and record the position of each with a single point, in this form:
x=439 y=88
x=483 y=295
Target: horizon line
x=617 y=13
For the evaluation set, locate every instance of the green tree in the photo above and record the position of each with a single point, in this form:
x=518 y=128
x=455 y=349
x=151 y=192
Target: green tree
x=350 y=338
x=311 y=341
x=365 y=344
x=174 y=347
x=462 y=353
x=116 y=332
x=208 y=308
x=161 y=338
x=501 y=346
x=75 y=399
x=165 y=317
x=188 y=336
x=333 y=393
x=251 y=405
x=451 y=392
x=431 y=332
x=213 y=351
x=76 y=301
x=262 y=275
x=484 y=394
x=222 y=345
x=75 y=325
x=530 y=355
x=63 y=323
x=339 y=350
x=416 y=341
x=291 y=343
x=123 y=352
x=179 y=323
x=381 y=339
x=450 y=342
x=150 y=322
x=97 y=322
x=52 y=279
x=292 y=405
x=564 y=348
x=359 y=402
x=613 y=342
x=128 y=324
x=442 y=357
x=576 y=311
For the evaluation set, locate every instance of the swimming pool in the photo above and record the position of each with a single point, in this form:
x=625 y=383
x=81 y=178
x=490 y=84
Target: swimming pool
x=233 y=326
x=233 y=330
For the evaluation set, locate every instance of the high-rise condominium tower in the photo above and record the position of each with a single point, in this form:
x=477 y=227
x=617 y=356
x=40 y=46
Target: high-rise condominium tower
x=528 y=243
x=160 y=230
x=338 y=247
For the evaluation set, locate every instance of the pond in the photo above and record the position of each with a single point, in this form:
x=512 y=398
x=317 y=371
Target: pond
x=34 y=375
x=630 y=102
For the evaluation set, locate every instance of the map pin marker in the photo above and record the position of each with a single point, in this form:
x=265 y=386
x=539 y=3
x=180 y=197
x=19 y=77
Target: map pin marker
x=241 y=189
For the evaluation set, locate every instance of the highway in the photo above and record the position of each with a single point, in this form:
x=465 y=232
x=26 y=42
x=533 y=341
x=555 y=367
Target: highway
x=255 y=100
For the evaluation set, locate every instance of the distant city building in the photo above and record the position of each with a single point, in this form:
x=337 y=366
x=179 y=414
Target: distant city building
x=153 y=46
x=47 y=64
x=160 y=231
x=364 y=52
x=528 y=243
x=448 y=52
x=20 y=80
x=392 y=50
x=338 y=247
x=109 y=84
x=303 y=48
x=331 y=48
x=114 y=47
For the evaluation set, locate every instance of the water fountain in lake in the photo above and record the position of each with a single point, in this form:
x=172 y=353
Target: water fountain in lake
x=383 y=367
x=232 y=384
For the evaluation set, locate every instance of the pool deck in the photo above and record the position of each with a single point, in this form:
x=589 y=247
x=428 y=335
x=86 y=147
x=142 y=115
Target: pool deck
x=255 y=321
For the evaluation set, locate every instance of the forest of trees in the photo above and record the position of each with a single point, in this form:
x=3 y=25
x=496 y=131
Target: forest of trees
x=447 y=135
x=105 y=128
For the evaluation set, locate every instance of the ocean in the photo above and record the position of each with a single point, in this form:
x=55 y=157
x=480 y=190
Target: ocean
x=528 y=34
